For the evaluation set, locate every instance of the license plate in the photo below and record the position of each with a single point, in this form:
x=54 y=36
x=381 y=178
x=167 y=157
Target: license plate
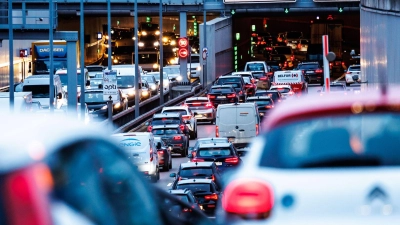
x=198 y=116
x=310 y=72
x=218 y=163
x=277 y=58
x=221 y=97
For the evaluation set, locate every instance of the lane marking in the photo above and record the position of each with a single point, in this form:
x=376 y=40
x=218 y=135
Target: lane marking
x=169 y=184
x=340 y=78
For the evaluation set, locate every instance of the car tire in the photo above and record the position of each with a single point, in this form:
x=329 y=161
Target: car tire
x=170 y=163
x=192 y=135
x=166 y=167
x=195 y=133
x=184 y=153
x=156 y=176
x=347 y=84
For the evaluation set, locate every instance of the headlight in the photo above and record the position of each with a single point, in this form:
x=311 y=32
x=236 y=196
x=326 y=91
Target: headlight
x=198 y=68
x=106 y=37
x=104 y=107
x=117 y=105
x=153 y=87
x=106 y=45
x=166 y=83
x=179 y=78
x=131 y=93
x=156 y=43
x=155 y=66
x=173 y=42
x=115 y=60
x=145 y=92
x=144 y=33
x=141 y=44
x=158 y=32
x=164 y=39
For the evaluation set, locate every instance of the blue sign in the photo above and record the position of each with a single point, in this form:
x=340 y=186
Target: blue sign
x=43 y=51
x=130 y=142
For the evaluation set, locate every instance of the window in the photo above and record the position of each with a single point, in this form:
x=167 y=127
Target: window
x=195 y=187
x=229 y=80
x=255 y=67
x=166 y=120
x=222 y=90
x=308 y=66
x=183 y=198
x=125 y=81
x=197 y=171
x=260 y=102
x=213 y=152
x=180 y=111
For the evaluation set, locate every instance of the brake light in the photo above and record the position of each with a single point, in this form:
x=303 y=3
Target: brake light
x=160 y=152
x=263 y=78
x=197 y=103
x=209 y=105
x=231 y=95
x=257 y=129
x=213 y=177
x=184 y=105
x=151 y=155
x=233 y=160
x=211 y=96
x=187 y=117
x=216 y=131
x=269 y=106
x=186 y=210
x=25 y=195
x=240 y=92
x=299 y=46
x=149 y=128
x=268 y=48
x=318 y=71
x=248 y=85
x=197 y=160
x=291 y=93
x=248 y=198
x=211 y=197
x=292 y=57
x=180 y=178
x=182 y=127
x=177 y=138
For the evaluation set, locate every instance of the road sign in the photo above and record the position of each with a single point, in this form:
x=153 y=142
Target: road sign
x=110 y=89
x=205 y=53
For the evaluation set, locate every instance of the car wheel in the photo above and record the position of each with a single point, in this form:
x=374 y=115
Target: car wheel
x=322 y=83
x=155 y=177
x=195 y=133
x=166 y=166
x=192 y=136
x=347 y=84
x=158 y=174
x=170 y=162
x=184 y=153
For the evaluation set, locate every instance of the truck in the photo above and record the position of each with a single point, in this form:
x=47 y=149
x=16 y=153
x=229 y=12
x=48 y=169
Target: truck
x=332 y=28
x=41 y=56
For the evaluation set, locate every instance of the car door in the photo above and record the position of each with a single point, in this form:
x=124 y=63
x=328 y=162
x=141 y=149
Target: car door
x=246 y=121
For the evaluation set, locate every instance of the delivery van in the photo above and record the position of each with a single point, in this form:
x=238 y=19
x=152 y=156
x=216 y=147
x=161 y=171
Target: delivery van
x=39 y=85
x=239 y=122
x=294 y=78
x=141 y=151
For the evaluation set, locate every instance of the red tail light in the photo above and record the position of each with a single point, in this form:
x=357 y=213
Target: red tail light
x=318 y=71
x=211 y=96
x=247 y=85
x=184 y=105
x=231 y=95
x=292 y=57
x=209 y=105
x=160 y=152
x=216 y=131
x=263 y=78
x=187 y=117
x=25 y=196
x=233 y=160
x=240 y=92
x=197 y=160
x=177 y=138
x=149 y=128
x=268 y=48
x=299 y=46
x=182 y=127
x=179 y=178
x=269 y=106
x=186 y=210
x=197 y=103
x=213 y=177
x=257 y=129
x=248 y=197
x=211 y=197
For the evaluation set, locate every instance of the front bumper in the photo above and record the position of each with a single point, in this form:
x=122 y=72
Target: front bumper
x=204 y=115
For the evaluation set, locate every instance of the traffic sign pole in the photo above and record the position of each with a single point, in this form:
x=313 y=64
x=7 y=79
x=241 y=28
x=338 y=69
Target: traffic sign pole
x=325 y=46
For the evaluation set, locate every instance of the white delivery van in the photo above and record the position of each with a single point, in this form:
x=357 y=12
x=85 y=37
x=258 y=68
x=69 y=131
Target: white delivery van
x=239 y=122
x=126 y=81
x=141 y=151
x=22 y=101
x=39 y=85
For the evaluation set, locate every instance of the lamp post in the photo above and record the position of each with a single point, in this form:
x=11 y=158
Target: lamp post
x=51 y=57
x=83 y=77
x=136 y=63
x=161 y=84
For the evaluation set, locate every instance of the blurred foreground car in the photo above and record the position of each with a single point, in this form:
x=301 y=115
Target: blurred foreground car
x=321 y=161
x=74 y=175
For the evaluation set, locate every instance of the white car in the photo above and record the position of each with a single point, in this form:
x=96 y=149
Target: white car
x=353 y=74
x=285 y=90
x=173 y=72
x=187 y=115
x=194 y=66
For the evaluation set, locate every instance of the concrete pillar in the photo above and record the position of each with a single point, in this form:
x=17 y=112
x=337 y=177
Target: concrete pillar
x=183 y=33
x=72 y=78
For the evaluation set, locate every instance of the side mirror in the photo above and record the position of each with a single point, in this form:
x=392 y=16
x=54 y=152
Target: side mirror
x=170 y=147
x=158 y=145
x=172 y=175
x=140 y=86
x=157 y=81
x=88 y=83
x=195 y=113
x=59 y=95
x=190 y=156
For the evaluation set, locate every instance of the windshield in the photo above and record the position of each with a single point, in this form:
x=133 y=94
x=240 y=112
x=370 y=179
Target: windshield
x=64 y=79
x=260 y=102
x=247 y=80
x=94 y=96
x=212 y=152
x=165 y=131
x=38 y=91
x=365 y=140
x=43 y=66
x=170 y=70
x=221 y=90
x=126 y=81
x=354 y=68
x=255 y=67
x=195 y=188
x=197 y=171
x=229 y=80
x=281 y=90
x=148 y=79
x=283 y=50
x=195 y=59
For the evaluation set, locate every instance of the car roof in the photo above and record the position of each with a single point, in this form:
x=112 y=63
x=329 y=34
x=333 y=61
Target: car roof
x=308 y=63
x=155 y=127
x=196 y=98
x=229 y=76
x=196 y=164
x=215 y=144
x=194 y=181
x=172 y=66
x=213 y=139
x=255 y=62
x=132 y=134
x=242 y=73
x=311 y=106
x=161 y=115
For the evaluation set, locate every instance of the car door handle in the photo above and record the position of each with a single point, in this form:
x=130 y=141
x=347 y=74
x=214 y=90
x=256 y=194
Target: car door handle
x=241 y=130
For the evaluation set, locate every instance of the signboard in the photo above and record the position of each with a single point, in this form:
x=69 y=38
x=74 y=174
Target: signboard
x=289 y=76
x=258 y=1
x=204 y=54
x=110 y=89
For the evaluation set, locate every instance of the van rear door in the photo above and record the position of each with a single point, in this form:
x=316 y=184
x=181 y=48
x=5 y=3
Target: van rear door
x=246 y=121
x=227 y=122
x=137 y=148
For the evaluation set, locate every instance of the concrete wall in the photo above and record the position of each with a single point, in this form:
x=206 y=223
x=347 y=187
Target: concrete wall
x=219 y=45
x=379 y=42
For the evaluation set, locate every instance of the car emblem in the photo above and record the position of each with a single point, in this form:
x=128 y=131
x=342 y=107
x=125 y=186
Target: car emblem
x=377 y=193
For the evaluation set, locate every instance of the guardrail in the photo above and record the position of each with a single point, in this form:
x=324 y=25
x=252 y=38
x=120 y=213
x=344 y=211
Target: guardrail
x=133 y=123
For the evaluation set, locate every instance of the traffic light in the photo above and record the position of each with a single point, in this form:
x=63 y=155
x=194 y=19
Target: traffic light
x=183 y=50
x=340 y=8
x=286 y=10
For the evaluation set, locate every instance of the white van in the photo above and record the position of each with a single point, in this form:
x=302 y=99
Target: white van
x=126 y=81
x=141 y=151
x=239 y=122
x=39 y=85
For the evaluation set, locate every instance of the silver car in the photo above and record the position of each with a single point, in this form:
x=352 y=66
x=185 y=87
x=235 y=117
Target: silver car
x=202 y=108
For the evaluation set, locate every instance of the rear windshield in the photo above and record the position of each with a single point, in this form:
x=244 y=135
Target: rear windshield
x=365 y=140
x=282 y=90
x=354 y=68
x=221 y=90
x=229 y=80
x=308 y=66
x=165 y=131
x=167 y=120
x=255 y=67
x=247 y=80
x=183 y=198
x=195 y=188
x=213 y=152
x=95 y=69
x=234 y=85
x=196 y=172
x=283 y=51
x=261 y=101
x=180 y=111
